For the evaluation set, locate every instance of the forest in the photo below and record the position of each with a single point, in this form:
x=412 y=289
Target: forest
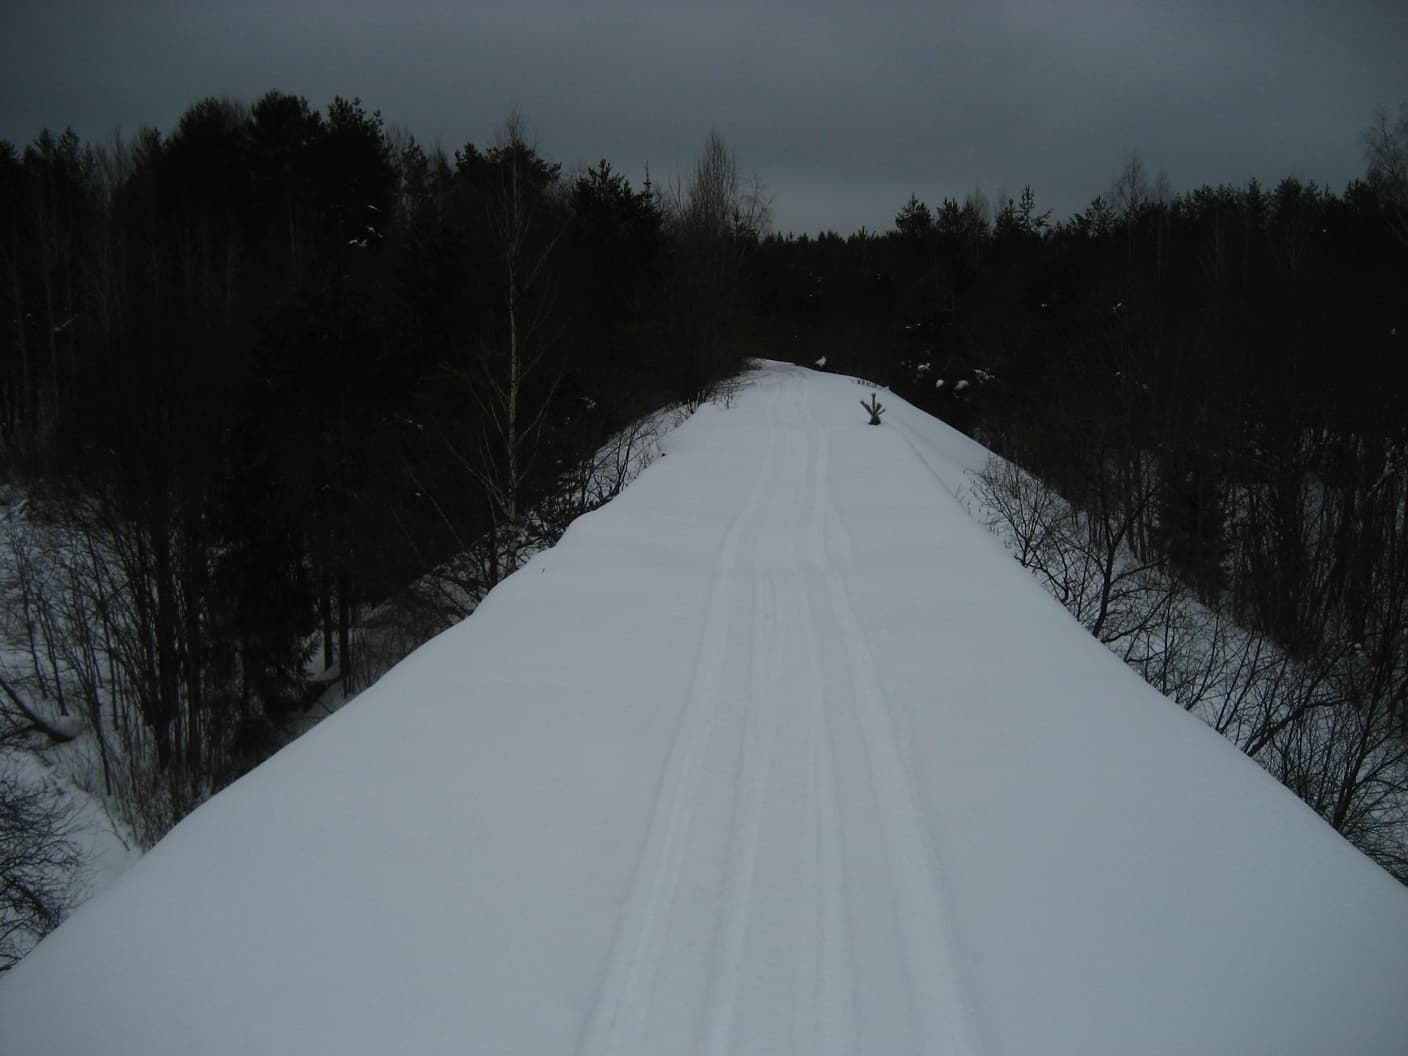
x=279 y=369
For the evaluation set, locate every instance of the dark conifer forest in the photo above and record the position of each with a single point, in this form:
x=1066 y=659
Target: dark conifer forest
x=268 y=374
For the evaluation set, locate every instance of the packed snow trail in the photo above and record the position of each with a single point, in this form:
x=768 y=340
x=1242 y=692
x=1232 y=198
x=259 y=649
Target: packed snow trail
x=777 y=753
x=746 y=794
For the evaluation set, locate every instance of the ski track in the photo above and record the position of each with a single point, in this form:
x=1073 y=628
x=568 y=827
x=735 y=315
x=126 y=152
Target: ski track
x=636 y=949
x=794 y=786
x=940 y=1012
x=832 y=1025
x=748 y=805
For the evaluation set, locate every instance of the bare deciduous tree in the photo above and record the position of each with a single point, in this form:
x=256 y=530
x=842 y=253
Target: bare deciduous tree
x=507 y=374
x=40 y=864
x=1386 y=150
x=717 y=218
x=1327 y=723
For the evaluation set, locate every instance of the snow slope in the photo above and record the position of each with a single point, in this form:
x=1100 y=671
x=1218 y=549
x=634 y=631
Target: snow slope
x=778 y=752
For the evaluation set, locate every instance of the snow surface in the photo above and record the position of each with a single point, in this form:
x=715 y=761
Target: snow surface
x=106 y=848
x=779 y=752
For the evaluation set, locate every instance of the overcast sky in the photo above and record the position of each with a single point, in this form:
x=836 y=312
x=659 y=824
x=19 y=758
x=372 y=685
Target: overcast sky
x=842 y=110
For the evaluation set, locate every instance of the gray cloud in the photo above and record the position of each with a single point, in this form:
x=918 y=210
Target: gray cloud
x=842 y=110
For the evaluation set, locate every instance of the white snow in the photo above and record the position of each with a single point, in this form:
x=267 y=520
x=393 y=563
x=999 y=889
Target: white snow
x=106 y=850
x=779 y=752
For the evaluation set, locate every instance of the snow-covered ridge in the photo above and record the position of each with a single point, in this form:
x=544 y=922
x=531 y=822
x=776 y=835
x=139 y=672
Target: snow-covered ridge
x=777 y=752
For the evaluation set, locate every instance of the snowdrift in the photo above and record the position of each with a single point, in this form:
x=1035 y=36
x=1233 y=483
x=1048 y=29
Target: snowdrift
x=778 y=752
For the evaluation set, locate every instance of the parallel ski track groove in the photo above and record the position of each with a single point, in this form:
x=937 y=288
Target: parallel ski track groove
x=746 y=823
x=624 y=996
x=833 y=1029
x=941 y=1020
x=826 y=1013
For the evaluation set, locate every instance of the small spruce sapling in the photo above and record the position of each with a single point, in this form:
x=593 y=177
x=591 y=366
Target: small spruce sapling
x=875 y=409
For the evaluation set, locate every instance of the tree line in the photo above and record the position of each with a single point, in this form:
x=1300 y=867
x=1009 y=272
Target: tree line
x=265 y=372
x=1212 y=384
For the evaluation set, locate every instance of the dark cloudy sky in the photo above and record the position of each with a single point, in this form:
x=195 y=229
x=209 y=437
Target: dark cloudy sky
x=842 y=110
